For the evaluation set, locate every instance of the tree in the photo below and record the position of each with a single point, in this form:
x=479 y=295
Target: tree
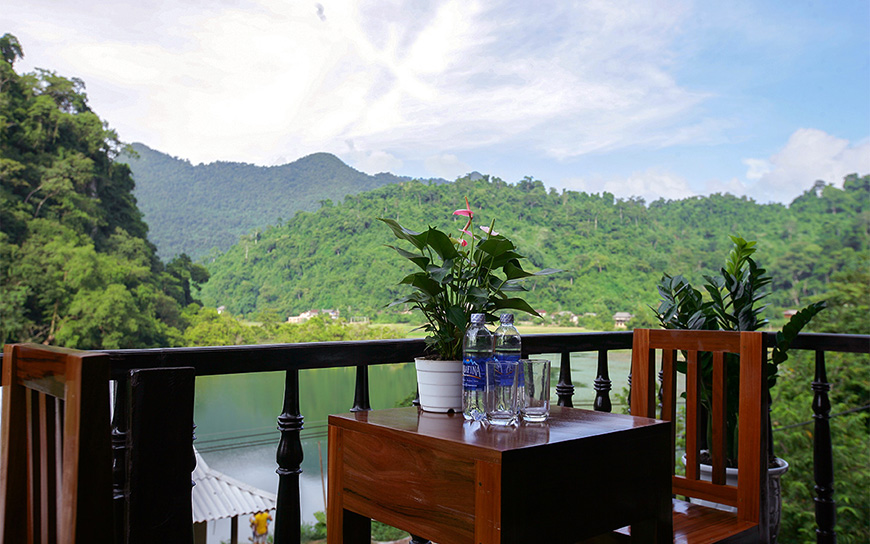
x=10 y=48
x=75 y=266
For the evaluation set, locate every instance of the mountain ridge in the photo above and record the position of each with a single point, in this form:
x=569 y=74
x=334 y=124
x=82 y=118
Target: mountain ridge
x=213 y=204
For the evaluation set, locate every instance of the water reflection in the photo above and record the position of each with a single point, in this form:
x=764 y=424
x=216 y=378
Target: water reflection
x=236 y=421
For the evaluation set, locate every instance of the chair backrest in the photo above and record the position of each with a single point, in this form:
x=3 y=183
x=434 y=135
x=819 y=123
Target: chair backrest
x=56 y=459
x=749 y=493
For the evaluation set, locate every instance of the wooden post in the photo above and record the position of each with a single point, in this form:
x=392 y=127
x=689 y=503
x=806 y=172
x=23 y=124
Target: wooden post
x=288 y=517
x=159 y=445
x=823 y=458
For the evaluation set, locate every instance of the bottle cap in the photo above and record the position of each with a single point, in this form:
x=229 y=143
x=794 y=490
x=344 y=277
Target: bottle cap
x=507 y=319
x=478 y=319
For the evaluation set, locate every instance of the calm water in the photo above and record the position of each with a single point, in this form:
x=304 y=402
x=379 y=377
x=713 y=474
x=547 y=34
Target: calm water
x=236 y=419
x=236 y=416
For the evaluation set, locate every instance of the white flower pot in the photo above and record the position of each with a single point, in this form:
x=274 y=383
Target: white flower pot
x=440 y=385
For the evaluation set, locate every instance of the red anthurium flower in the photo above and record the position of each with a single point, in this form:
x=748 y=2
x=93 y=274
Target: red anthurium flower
x=466 y=211
x=469 y=214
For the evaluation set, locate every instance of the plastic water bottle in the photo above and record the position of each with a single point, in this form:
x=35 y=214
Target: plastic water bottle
x=508 y=348
x=508 y=345
x=476 y=351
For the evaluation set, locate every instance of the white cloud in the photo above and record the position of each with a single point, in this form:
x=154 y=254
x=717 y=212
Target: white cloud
x=255 y=80
x=651 y=184
x=756 y=168
x=371 y=162
x=808 y=156
x=447 y=166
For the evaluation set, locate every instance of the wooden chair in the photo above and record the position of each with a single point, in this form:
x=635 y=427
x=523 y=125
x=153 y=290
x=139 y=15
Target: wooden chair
x=695 y=524
x=56 y=459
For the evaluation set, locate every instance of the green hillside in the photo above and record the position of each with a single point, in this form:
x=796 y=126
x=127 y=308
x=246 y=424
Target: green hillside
x=194 y=208
x=76 y=268
x=612 y=251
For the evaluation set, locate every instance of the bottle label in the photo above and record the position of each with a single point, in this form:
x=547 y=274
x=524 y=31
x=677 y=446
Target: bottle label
x=504 y=374
x=511 y=357
x=507 y=356
x=474 y=373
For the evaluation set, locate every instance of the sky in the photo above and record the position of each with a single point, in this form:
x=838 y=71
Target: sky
x=640 y=98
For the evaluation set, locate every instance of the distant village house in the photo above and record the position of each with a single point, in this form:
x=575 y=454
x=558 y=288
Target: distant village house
x=305 y=316
x=621 y=319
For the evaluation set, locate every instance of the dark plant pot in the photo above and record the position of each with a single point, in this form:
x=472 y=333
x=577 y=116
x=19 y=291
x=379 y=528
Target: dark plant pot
x=774 y=492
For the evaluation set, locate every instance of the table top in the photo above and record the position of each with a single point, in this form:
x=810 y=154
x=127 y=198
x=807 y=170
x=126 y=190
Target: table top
x=564 y=424
x=453 y=480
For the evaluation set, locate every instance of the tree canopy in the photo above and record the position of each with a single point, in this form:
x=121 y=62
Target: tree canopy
x=76 y=268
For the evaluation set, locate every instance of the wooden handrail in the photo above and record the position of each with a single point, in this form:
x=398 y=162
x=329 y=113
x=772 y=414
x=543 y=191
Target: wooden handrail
x=290 y=358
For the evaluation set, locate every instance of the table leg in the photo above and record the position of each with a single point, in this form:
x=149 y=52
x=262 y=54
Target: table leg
x=487 y=503
x=342 y=526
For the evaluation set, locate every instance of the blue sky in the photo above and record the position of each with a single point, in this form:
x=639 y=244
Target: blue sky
x=638 y=98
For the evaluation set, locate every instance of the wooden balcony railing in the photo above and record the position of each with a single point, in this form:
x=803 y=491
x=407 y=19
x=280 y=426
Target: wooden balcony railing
x=292 y=358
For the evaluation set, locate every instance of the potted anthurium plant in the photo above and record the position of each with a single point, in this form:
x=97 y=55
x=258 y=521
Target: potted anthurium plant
x=456 y=276
x=732 y=303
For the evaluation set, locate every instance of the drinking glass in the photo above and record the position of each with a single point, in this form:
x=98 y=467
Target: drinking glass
x=535 y=393
x=500 y=399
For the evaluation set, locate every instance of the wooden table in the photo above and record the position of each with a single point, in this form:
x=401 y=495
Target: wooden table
x=437 y=476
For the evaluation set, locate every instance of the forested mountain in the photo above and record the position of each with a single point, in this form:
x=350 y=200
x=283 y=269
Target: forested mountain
x=194 y=208
x=612 y=251
x=76 y=268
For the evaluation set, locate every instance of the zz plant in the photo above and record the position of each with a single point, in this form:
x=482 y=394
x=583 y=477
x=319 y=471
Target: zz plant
x=732 y=303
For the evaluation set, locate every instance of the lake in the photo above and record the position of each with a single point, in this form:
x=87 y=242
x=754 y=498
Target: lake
x=236 y=418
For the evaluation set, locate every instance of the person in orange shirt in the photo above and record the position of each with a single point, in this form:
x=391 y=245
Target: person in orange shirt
x=260 y=527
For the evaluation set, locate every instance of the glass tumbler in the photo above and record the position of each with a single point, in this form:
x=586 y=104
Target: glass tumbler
x=535 y=393
x=500 y=399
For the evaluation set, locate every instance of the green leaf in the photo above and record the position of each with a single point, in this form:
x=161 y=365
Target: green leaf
x=514 y=271
x=514 y=304
x=457 y=317
x=420 y=260
x=441 y=274
x=442 y=244
x=404 y=234
x=496 y=246
x=423 y=282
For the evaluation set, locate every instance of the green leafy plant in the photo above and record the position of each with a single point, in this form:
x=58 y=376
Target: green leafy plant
x=459 y=276
x=731 y=304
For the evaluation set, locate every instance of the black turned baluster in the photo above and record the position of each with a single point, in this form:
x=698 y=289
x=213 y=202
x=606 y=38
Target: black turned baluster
x=361 y=402
x=565 y=387
x=602 y=385
x=119 y=461
x=823 y=459
x=288 y=518
x=419 y=540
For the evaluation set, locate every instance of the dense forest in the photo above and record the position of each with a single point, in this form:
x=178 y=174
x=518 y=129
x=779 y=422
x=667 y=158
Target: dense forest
x=76 y=267
x=611 y=251
x=213 y=204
